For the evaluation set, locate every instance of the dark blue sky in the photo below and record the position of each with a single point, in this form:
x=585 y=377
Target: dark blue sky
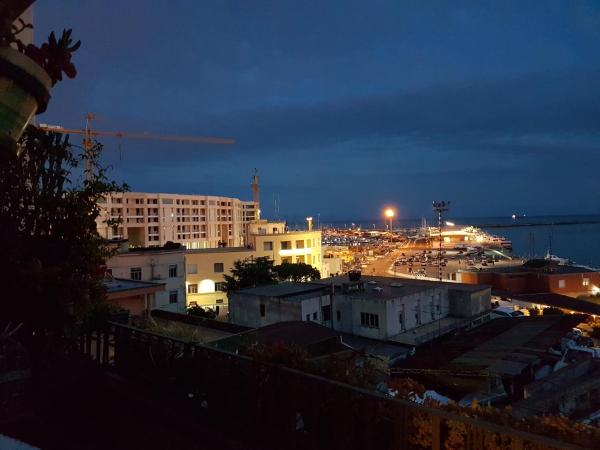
x=346 y=106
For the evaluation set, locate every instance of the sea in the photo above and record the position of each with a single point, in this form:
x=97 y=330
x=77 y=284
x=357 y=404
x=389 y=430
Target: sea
x=575 y=237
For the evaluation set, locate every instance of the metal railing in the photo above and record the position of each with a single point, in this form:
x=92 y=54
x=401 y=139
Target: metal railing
x=271 y=406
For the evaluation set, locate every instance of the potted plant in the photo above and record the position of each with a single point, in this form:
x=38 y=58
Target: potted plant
x=27 y=73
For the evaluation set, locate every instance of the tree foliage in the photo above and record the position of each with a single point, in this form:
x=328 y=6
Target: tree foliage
x=250 y=272
x=296 y=272
x=51 y=248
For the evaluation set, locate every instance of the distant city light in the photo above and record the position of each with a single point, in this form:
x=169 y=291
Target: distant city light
x=514 y=216
x=450 y=224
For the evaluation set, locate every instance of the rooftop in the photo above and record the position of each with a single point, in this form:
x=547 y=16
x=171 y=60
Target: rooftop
x=220 y=250
x=552 y=299
x=536 y=266
x=286 y=289
x=114 y=285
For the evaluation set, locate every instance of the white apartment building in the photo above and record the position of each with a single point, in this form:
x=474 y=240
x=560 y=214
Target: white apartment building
x=195 y=221
x=158 y=265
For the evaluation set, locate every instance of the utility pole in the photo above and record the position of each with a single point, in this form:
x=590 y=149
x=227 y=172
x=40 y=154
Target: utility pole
x=440 y=208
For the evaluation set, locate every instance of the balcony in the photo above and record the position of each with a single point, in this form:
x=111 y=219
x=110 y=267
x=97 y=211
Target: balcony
x=273 y=407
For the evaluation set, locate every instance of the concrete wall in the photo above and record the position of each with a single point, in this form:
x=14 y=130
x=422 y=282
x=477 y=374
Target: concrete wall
x=467 y=304
x=389 y=312
x=155 y=267
x=244 y=309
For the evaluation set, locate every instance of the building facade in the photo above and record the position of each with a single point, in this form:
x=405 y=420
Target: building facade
x=383 y=308
x=158 y=265
x=205 y=268
x=195 y=221
x=537 y=276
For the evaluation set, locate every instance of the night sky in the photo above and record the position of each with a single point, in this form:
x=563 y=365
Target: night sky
x=345 y=106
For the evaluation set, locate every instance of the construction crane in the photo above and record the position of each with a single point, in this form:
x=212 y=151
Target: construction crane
x=89 y=135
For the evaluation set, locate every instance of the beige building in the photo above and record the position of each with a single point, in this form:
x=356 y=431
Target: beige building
x=195 y=221
x=205 y=268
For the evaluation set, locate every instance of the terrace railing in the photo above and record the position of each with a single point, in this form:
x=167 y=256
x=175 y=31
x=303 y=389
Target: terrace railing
x=270 y=406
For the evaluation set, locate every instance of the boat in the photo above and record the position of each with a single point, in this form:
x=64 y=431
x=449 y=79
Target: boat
x=557 y=259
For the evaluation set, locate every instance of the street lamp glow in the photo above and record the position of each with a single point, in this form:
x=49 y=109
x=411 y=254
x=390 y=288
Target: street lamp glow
x=389 y=213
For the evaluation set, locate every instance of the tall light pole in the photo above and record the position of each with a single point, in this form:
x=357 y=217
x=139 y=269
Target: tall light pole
x=440 y=208
x=389 y=214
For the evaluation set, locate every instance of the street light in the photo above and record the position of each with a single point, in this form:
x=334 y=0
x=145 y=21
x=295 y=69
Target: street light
x=389 y=213
x=440 y=208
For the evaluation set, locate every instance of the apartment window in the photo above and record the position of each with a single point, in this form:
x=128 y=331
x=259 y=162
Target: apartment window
x=369 y=320
x=172 y=296
x=173 y=271
x=220 y=286
x=300 y=244
x=586 y=282
x=192 y=288
x=286 y=260
x=219 y=301
x=308 y=317
x=136 y=273
x=338 y=314
x=561 y=284
x=192 y=268
x=300 y=258
x=218 y=267
x=262 y=310
x=315 y=316
x=286 y=245
x=326 y=312
x=268 y=245
x=308 y=242
x=167 y=201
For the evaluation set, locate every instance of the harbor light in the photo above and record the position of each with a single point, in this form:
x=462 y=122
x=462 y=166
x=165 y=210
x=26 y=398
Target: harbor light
x=389 y=214
x=450 y=224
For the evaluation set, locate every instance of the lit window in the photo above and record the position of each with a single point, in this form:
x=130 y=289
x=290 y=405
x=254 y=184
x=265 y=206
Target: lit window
x=192 y=288
x=220 y=286
x=586 y=282
x=561 y=284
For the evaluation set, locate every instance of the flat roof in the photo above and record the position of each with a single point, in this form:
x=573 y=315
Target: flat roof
x=396 y=287
x=552 y=299
x=220 y=250
x=551 y=269
x=285 y=289
x=113 y=285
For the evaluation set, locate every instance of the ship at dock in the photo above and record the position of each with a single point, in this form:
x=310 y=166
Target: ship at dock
x=459 y=237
